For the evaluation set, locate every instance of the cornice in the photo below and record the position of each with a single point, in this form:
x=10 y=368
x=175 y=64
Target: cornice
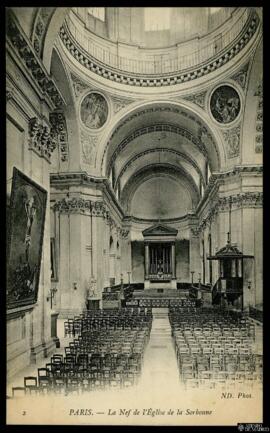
x=19 y=43
x=169 y=79
x=80 y=205
x=101 y=208
x=217 y=178
x=237 y=201
x=188 y=218
x=74 y=178
x=68 y=179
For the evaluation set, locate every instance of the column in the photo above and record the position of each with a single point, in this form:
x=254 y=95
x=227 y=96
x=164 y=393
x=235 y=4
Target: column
x=194 y=255
x=146 y=260
x=173 y=260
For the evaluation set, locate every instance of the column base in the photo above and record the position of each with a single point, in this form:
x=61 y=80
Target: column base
x=43 y=350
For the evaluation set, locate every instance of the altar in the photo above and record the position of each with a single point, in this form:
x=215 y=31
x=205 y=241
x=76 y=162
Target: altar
x=159 y=257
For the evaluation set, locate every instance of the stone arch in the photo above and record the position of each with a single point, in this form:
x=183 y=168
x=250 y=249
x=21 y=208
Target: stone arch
x=132 y=109
x=148 y=151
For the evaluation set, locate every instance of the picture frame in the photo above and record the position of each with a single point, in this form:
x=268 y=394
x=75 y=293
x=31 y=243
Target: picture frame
x=25 y=240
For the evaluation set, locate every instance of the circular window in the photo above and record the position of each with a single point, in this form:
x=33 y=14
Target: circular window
x=225 y=104
x=94 y=110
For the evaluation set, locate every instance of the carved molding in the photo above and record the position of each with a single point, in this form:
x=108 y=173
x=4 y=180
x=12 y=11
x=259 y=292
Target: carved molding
x=9 y=94
x=195 y=232
x=197 y=98
x=74 y=205
x=238 y=201
x=141 y=80
x=120 y=103
x=241 y=76
x=59 y=130
x=78 y=85
x=42 y=20
x=32 y=62
x=259 y=118
x=89 y=144
x=79 y=205
x=124 y=233
x=41 y=140
x=232 y=141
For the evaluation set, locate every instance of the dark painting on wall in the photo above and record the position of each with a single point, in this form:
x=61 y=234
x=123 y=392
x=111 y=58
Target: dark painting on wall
x=25 y=238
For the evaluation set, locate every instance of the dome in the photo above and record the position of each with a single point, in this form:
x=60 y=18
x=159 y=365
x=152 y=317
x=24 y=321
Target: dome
x=152 y=41
x=151 y=27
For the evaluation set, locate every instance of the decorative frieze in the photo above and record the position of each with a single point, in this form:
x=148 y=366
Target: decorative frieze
x=41 y=140
x=237 y=201
x=89 y=144
x=82 y=206
x=73 y=205
x=142 y=80
x=259 y=119
x=59 y=130
x=232 y=140
x=32 y=62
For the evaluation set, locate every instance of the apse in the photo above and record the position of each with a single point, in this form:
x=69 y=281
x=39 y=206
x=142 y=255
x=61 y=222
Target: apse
x=160 y=197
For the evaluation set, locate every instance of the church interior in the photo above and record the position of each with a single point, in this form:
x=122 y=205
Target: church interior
x=134 y=200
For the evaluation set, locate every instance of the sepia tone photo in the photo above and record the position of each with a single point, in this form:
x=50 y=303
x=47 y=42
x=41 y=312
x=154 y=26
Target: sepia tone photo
x=134 y=140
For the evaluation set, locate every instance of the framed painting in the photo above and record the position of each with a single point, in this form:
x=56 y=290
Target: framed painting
x=25 y=239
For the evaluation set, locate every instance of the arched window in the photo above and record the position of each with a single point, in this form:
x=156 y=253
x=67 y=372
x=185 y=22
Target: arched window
x=98 y=13
x=156 y=19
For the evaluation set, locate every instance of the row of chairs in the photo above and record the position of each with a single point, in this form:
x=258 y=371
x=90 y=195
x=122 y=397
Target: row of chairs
x=108 y=320
x=215 y=349
x=97 y=359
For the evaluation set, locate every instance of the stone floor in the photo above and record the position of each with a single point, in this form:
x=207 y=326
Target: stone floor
x=160 y=366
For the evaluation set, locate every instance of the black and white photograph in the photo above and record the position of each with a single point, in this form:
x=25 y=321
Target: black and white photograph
x=134 y=163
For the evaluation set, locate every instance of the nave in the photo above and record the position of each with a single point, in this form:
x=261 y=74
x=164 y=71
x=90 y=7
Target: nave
x=184 y=347
x=153 y=359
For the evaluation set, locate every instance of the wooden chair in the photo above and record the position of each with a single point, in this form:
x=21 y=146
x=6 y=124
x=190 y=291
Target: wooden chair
x=31 y=384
